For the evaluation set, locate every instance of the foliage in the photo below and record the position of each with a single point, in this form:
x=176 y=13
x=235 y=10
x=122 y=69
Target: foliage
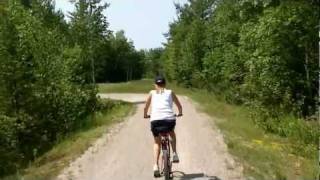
x=281 y=58
x=153 y=62
x=37 y=95
x=48 y=73
x=124 y=62
x=259 y=53
x=105 y=56
x=50 y=164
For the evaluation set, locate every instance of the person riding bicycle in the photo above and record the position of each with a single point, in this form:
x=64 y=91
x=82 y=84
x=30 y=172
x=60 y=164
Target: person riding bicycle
x=162 y=118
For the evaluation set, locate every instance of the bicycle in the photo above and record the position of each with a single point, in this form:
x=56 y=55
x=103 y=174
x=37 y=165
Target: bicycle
x=166 y=165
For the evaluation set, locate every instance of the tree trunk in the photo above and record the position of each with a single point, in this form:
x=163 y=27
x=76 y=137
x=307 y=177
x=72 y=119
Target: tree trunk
x=127 y=74
x=308 y=83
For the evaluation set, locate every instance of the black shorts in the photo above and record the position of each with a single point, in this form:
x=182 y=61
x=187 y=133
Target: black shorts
x=161 y=126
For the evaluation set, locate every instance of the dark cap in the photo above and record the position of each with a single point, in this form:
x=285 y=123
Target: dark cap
x=160 y=80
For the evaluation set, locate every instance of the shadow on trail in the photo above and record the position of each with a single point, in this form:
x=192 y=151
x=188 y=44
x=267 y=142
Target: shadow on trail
x=193 y=176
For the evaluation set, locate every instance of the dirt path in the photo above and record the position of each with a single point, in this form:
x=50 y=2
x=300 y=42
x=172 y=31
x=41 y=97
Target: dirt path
x=127 y=154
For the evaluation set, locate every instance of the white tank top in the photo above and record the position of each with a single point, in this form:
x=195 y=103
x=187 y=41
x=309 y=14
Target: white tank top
x=161 y=105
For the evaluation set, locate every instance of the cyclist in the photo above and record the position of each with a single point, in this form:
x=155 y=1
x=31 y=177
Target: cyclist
x=162 y=118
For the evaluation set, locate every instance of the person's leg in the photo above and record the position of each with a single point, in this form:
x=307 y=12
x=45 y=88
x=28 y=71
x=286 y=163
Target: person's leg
x=173 y=141
x=156 y=149
x=172 y=125
x=175 y=157
x=156 y=152
x=157 y=141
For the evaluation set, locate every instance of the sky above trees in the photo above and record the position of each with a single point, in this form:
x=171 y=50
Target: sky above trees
x=144 y=21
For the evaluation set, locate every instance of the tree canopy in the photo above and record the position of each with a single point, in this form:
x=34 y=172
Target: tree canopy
x=251 y=51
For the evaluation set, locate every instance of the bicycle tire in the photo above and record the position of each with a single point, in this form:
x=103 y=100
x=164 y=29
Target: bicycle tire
x=166 y=166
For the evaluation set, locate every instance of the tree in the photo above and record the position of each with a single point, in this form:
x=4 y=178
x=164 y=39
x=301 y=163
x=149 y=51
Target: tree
x=89 y=29
x=40 y=101
x=282 y=58
x=154 y=62
x=124 y=64
x=187 y=42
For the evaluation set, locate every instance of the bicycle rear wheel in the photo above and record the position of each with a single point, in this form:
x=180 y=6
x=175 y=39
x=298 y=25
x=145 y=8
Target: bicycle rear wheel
x=166 y=165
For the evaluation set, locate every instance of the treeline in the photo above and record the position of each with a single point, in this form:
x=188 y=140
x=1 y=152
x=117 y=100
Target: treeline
x=119 y=61
x=153 y=62
x=263 y=54
x=48 y=71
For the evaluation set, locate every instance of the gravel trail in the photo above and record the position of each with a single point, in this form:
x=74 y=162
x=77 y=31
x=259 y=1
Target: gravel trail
x=125 y=152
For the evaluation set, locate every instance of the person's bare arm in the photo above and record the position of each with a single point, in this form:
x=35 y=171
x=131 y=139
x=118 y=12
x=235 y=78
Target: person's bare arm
x=146 y=108
x=177 y=102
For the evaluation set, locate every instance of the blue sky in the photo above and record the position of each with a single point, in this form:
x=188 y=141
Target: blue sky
x=144 y=21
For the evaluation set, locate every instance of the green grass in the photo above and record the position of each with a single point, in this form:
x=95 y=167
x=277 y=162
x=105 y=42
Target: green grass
x=263 y=155
x=51 y=163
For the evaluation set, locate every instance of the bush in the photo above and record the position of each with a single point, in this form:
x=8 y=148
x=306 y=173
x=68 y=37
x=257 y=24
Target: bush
x=9 y=143
x=303 y=134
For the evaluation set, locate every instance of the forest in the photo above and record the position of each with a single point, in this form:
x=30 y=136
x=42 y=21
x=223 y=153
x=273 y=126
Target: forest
x=262 y=54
